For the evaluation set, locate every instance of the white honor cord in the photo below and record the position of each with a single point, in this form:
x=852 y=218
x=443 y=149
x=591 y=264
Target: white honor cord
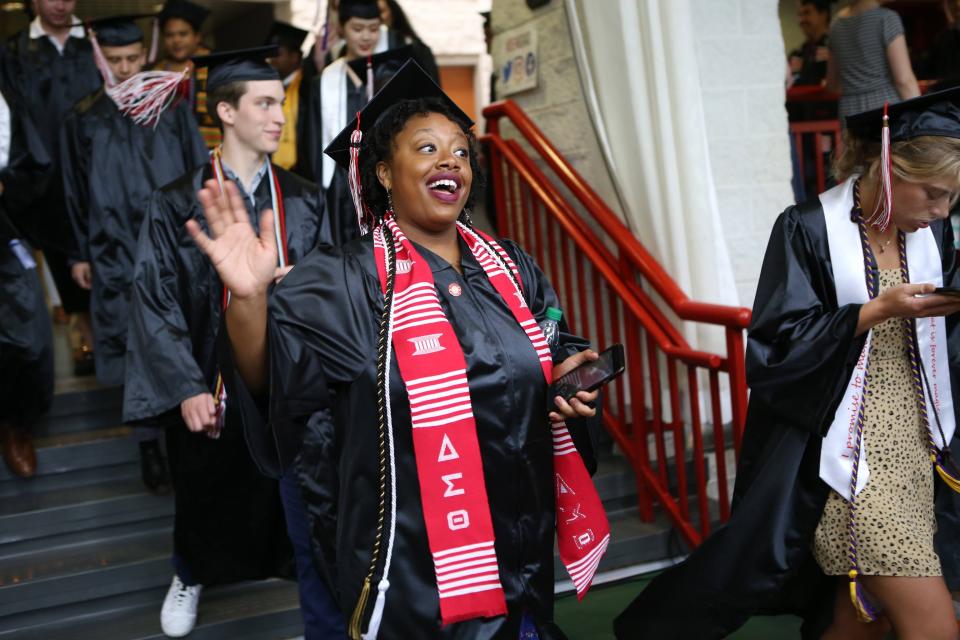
x=276 y=211
x=376 y=618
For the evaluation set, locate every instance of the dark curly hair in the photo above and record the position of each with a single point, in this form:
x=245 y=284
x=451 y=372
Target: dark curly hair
x=378 y=147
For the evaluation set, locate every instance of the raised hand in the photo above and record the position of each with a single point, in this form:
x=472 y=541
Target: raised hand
x=245 y=262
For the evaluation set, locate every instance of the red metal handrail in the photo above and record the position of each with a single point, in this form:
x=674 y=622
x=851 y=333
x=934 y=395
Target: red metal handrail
x=603 y=283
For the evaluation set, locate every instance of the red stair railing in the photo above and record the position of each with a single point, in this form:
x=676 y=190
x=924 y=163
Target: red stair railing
x=613 y=290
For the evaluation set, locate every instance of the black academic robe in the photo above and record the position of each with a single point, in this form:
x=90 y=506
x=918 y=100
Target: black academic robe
x=110 y=166
x=801 y=351
x=48 y=85
x=229 y=522
x=26 y=338
x=323 y=327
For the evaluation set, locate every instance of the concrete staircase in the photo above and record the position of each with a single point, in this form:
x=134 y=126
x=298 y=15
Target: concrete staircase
x=85 y=550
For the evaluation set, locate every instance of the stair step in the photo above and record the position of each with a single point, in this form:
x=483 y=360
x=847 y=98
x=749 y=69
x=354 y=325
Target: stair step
x=83 y=450
x=82 y=572
x=113 y=502
x=266 y=610
x=80 y=410
x=71 y=539
x=59 y=481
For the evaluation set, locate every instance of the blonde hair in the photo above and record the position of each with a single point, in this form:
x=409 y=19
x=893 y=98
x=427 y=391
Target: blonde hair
x=919 y=159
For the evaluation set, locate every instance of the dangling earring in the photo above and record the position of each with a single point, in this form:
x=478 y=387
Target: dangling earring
x=390 y=202
x=467 y=220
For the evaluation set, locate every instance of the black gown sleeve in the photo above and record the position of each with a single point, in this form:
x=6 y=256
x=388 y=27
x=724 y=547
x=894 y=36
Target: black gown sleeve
x=318 y=336
x=75 y=170
x=801 y=347
x=161 y=371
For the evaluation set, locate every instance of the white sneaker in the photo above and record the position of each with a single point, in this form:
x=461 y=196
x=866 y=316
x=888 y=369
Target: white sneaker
x=179 y=613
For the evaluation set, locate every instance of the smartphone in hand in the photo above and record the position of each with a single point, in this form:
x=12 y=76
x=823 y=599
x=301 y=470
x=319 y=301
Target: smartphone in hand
x=590 y=376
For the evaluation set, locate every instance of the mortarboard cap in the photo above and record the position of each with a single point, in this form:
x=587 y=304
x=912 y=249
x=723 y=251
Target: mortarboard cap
x=237 y=66
x=409 y=83
x=119 y=31
x=364 y=9
x=934 y=114
x=286 y=35
x=185 y=10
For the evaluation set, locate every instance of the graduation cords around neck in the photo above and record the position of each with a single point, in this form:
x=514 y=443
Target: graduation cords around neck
x=940 y=458
x=447 y=453
x=283 y=258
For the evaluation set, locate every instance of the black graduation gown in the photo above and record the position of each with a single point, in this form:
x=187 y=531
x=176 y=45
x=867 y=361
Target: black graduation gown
x=323 y=321
x=48 y=85
x=229 y=522
x=801 y=351
x=26 y=339
x=110 y=166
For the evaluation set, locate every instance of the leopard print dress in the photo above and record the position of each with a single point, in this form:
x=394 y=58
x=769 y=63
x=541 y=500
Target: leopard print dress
x=895 y=518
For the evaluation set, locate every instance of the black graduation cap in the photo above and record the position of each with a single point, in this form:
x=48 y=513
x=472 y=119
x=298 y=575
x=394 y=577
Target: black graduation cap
x=409 y=83
x=185 y=10
x=238 y=65
x=119 y=31
x=934 y=114
x=364 y=9
x=286 y=35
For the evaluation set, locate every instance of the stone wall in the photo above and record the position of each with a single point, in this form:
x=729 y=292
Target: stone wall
x=740 y=54
x=742 y=72
x=557 y=104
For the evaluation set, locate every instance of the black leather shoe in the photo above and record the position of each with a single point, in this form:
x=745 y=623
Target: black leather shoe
x=153 y=468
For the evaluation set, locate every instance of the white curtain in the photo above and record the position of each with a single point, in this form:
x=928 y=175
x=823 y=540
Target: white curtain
x=639 y=69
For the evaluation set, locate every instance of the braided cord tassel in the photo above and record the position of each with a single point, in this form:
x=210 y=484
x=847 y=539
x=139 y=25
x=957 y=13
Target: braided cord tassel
x=383 y=339
x=858 y=596
x=936 y=456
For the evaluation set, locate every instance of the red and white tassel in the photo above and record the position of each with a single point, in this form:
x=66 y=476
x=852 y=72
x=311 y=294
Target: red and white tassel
x=880 y=218
x=146 y=95
x=353 y=178
x=100 y=60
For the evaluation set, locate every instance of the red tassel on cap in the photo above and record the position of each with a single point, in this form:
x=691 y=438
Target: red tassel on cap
x=100 y=60
x=353 y=178
x=880 y=218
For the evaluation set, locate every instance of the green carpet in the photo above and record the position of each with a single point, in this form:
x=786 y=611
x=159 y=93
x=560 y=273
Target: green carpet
x=592 y=619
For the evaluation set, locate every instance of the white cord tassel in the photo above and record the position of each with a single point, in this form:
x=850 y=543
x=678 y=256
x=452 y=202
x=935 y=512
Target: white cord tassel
x=377 y=616
x=880 y=218
x=146 y=95
x=369 y=78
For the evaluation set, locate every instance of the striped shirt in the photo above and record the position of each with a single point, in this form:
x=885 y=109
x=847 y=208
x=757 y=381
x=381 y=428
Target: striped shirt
x=859 y=47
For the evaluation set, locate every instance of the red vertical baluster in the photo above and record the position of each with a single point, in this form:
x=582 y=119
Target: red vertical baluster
x=699 y=461
x=679 y=449
x=719 y=446
x=641 y=453
x=653 y=369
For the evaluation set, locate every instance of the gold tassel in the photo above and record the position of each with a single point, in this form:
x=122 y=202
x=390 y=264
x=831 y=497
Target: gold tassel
x=356 y=621
x=863 y=609
x=950 y=481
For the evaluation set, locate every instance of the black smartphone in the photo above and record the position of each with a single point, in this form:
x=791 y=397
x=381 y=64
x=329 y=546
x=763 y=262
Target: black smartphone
x=590 y=376
x=948 y=291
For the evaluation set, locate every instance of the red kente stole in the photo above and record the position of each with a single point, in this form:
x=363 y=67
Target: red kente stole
x=452 y=489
